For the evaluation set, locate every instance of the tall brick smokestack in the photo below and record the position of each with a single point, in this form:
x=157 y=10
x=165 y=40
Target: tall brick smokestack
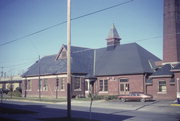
x=171 y=37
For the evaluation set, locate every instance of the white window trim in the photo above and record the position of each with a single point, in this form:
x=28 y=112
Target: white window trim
x=79 y=89
x=103 y=86
x=158 y=88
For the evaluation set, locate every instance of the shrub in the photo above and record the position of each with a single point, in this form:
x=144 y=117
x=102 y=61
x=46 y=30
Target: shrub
x=98 y=97
x=15 y=93
x=19 y=89
x=110 y=97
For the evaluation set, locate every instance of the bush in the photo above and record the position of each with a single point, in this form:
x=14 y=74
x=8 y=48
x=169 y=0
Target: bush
x=5 y=91
x=105 y=97
x=15 y=93
x=98 y=97
x=19 y=89
x=110 y=97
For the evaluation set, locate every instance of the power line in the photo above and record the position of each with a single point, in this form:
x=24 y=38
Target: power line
x=63 y=22
x=139 y=40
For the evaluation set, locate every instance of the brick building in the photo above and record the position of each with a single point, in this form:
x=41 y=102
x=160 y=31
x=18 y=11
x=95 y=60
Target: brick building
x=116 y=69
x=165 y=81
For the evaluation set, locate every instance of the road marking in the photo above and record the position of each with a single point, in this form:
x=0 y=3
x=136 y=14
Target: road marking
x=175 y=104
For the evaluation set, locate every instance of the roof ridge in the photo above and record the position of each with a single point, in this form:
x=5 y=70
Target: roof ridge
x=118 y=45
x=77 y=46
x=48 y=56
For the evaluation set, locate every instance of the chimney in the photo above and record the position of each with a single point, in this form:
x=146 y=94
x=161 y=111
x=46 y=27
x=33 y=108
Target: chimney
x=171 y=39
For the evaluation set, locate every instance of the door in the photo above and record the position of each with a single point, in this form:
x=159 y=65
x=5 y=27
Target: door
x=124 y=86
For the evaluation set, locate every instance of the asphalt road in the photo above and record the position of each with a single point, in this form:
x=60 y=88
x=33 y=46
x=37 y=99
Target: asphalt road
x=101 y=110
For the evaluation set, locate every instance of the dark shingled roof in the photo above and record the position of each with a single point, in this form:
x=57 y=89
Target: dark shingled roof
x=177 y=67
x=81 y=62
x=164 y=71
x=122 y=59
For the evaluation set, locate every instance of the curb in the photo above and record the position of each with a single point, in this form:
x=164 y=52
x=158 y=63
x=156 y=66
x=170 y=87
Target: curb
x=33 y=101
x=175 y=104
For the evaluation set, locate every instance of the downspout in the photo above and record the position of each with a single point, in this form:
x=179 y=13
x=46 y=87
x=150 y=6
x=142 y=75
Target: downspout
x=94 y=62
x=144 y=84
x=94 y=69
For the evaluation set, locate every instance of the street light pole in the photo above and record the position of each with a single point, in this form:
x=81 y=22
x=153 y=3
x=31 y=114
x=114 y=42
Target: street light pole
x=69 y=58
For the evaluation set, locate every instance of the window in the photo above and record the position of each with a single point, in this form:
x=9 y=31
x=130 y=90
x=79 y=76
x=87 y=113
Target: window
x=77 y=83
x=57 y=83
x=62 y=83
x=122 y=87
x=127 y=87
x=29 y=84
x=162 y=86
x=86 y=85
x=40 y=84
x=123 y=80
x=45 y=86
x=103 y=85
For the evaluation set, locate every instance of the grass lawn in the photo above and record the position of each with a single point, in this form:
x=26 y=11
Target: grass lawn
x=65 y=119
x=43 y=99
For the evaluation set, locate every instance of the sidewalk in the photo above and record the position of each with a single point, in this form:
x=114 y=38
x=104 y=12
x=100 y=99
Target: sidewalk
x=155 y=106
x=101 y=110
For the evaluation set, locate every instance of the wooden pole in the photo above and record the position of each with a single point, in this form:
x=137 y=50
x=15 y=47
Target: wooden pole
x=39 y=80
x=69 y=58
x=25 y=86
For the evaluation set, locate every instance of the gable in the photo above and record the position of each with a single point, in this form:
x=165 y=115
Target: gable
x=164 y=71
x=81 y=62
x=62 y=53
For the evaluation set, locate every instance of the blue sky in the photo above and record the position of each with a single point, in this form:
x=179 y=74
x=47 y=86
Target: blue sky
x=135 y=21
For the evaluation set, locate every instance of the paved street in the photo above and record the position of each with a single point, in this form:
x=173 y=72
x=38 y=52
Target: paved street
x=102 y=110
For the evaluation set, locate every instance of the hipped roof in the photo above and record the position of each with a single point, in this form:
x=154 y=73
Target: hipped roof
x=119 y=60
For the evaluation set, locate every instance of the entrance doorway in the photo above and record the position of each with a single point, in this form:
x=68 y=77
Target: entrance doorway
x=124 y=86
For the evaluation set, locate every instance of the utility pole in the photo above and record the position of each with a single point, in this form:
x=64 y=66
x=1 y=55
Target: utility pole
x=69 y=58
x=2 y=72
x=57 y=85
x=39 y=80
x=25 y=86
x=11 y=86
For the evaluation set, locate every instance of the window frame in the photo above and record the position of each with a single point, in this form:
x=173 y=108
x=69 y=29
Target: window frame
x=62 y=84
x=103 y=85
x=160 y=87
x=45 y=85
x=28 y=85
x=77 y=82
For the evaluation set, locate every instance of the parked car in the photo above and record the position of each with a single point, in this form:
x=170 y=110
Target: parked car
x=135 y=96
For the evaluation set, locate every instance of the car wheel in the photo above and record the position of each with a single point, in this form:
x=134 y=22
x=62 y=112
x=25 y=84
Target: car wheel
x=142 y=100
x=123 y=100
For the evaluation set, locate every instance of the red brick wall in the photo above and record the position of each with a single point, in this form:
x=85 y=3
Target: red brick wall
x=154 y=89
x=171 y=47
x=177 y=78
x=136 y=84
x=51 y=91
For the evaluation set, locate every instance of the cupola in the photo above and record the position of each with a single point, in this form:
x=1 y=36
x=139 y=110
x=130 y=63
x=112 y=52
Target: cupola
x=113 y=38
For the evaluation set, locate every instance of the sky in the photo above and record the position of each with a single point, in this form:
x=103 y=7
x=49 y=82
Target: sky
x=139 y=21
